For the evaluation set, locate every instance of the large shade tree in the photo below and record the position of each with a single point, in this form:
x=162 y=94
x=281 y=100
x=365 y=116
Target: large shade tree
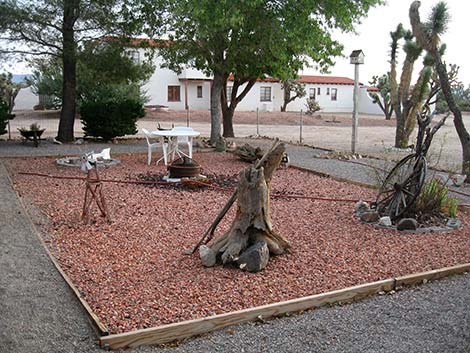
x=56 y=28
x=252 y=39
x=428 y=36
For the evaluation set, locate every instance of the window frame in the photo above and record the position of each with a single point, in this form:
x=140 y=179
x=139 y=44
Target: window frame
x=262 y=94
x=174 y=93
x=334 y=94
x=314 y=91
x=318 y=91
x=199 y=91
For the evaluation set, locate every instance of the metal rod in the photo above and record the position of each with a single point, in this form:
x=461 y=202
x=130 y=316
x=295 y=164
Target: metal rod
x=301 y=125
x=257 y=121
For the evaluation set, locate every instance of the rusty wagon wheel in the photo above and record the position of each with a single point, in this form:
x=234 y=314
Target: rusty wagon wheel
x=401 y=187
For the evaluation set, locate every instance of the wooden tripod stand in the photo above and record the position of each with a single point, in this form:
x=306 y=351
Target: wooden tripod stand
x=94 y=191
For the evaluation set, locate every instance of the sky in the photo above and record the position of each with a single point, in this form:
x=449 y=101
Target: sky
x=373 y=37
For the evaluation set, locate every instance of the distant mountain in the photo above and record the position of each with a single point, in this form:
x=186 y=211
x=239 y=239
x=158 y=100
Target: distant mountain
x=17 y=78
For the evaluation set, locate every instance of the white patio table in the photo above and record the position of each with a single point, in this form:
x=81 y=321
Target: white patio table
x=175 y=136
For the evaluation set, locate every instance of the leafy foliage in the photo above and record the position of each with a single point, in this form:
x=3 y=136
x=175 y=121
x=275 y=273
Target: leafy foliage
x=382 y=99
x=428 y=36
x=101 y=67
x=407 y=99
x=252 y=39
x=110 y=117
x=9 y=90
x=57 y=29
x=461 y=97
x=4 y=117
x=312 y=106
x=434 y=199
x=291 y=86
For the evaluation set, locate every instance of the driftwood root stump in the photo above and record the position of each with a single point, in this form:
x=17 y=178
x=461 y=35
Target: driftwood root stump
x=251 y=237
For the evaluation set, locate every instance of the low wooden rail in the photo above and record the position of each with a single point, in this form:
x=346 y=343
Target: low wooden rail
x=181 y=330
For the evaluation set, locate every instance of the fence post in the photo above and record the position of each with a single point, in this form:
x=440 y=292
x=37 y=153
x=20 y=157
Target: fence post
x=257 y=121
x=301 y=125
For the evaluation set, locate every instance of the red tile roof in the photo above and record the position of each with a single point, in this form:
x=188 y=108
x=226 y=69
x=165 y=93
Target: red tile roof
x=372 y=89
x=141 y=42
x=266 y=79
x=326 y=80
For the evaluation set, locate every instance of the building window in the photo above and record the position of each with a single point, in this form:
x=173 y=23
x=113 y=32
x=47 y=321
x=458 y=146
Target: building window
x=318 y=91
x=265 y=94
x=134 y=55
x=229 y=93
x=174 y=94
x=311 y=93
x=334 y=94
x=199 y=91
x=328 y=91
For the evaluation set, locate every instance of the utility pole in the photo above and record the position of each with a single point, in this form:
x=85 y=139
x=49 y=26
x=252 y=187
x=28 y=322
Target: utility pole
x=357 y=58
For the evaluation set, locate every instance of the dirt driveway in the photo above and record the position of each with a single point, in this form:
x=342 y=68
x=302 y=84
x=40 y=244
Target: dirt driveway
x=331 y=131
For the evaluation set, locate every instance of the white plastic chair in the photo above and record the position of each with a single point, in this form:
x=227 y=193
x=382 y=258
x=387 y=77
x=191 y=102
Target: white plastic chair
x=150 y=145
x=182 y=141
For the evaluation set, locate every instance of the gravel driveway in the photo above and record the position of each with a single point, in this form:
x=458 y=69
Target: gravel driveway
x=39 y=313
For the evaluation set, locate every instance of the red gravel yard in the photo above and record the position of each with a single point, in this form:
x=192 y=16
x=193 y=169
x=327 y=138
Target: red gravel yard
x=133 y=272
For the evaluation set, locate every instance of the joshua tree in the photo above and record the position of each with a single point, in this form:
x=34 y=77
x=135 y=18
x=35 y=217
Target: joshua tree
x=428 y=36
x=291 y=86
x=382 y=98
x=406 y=99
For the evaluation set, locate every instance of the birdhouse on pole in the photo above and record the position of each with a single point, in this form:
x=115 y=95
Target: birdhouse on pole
x=357 y=57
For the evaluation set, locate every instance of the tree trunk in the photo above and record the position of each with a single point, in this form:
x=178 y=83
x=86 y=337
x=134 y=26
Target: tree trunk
x=227 y=117
x=252 y=223
x=229 y=110
x=462 y=132
x=67 y=114
x=216 y=90
x=400 y=135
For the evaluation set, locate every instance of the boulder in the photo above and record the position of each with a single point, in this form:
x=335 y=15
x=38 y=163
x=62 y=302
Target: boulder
x=207 y=256
x=385 y=221
x=255 y=258
x=370 y=217
x=407 y=224
x=361 y=207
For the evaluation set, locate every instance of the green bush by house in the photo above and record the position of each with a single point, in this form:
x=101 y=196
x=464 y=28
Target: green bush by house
x=111 y=118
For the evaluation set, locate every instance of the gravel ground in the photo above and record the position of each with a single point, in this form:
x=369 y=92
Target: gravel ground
x=330 y=248
x=430 y=318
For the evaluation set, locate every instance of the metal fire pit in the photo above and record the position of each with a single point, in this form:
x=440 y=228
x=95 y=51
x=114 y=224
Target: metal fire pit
x=184 y=167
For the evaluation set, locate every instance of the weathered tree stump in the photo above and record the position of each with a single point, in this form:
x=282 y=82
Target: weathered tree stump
x=252 y=223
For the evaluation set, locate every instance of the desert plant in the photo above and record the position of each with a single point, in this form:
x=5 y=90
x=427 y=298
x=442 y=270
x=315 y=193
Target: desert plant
x=312 y=106
x=32 y=127
x=108 y=118
x=434 y=200
x=382 y=98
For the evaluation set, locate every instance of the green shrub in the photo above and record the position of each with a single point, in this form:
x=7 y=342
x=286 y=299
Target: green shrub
x=434 y=200
x=110 y=118
x=4 y=117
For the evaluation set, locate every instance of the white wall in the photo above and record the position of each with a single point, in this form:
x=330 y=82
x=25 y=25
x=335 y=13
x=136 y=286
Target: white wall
x=253 y=98
x=26 y=99
x=366 y=105
x=343 y=104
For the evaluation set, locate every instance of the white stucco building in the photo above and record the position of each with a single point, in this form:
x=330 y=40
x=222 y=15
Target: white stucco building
x=191 y=90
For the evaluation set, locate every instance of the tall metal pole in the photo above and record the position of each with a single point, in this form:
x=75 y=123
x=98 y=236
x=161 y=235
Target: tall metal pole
x=355 y=118
x=301 y=125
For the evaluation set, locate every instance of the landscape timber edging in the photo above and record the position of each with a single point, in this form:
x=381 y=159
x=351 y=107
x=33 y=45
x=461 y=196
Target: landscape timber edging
x=176 y=331
x=99 y=327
